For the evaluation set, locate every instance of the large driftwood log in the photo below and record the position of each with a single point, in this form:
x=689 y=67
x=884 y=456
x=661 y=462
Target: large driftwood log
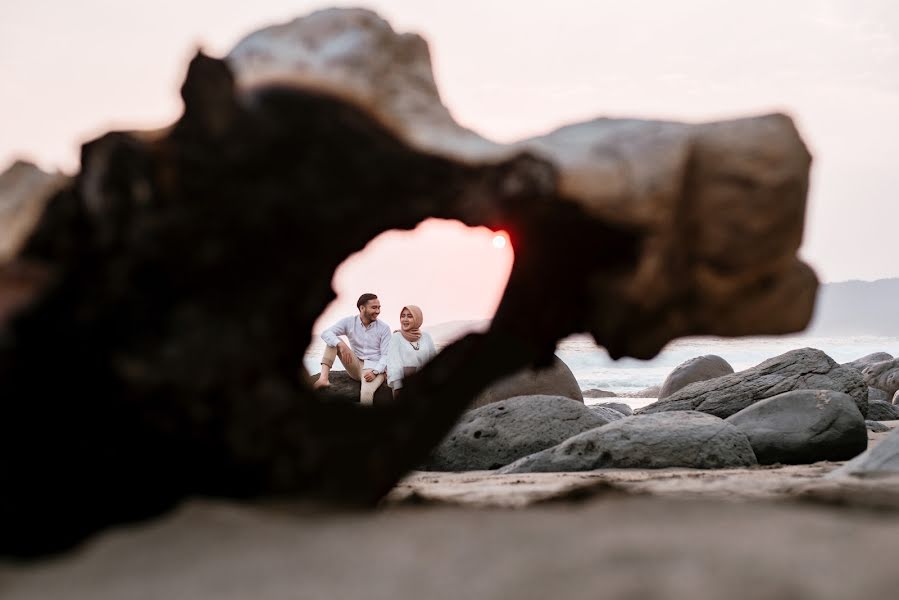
x=175 y=281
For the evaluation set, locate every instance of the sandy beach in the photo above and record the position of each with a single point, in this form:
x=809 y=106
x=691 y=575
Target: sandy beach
x=768 y=532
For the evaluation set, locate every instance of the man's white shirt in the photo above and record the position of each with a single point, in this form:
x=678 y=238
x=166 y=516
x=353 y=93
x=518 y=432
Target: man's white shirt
x=370 y=343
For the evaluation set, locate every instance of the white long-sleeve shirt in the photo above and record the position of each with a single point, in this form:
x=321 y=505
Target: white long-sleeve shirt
x=402 y=354
x=368 y=343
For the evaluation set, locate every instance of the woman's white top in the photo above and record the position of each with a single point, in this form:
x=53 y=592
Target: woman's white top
x=402 y=355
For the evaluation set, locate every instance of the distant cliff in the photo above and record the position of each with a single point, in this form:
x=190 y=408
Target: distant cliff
x=857 y=308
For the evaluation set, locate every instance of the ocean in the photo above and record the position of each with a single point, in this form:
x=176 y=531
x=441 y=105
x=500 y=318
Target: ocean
x=593 y=368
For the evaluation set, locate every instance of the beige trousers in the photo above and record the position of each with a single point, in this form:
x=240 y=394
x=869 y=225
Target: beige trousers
x=355 y=371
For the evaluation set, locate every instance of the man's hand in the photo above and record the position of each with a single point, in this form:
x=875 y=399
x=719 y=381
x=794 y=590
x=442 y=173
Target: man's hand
x=345 y=354
x=368 y=375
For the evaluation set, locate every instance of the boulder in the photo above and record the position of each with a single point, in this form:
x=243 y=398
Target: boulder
x=621 y=407
x=876 y=394
x=676 y=439
x=650 y=392
x=345 y=388
x=803 y=426
x=883 y=375
x=877 y=427
x=879 y=460
x=595 y=393
x=896 y=399
x=878 y=410
x=806 y=368
x=868 y=359
x=700 y=368
x=556 y=380
x=610 y=414
x=496 y=434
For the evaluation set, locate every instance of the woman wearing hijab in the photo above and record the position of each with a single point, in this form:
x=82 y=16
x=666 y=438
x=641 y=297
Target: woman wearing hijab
x=410 y=348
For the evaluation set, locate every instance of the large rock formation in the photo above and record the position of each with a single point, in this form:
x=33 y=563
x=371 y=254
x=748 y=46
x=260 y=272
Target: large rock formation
x=700 y=368
x=868 y=359
x=496 y=434
x=555 y=380
x=174 y=282
x=883 y=375
x=806 y=368
x=680 y=439
x=803 y=426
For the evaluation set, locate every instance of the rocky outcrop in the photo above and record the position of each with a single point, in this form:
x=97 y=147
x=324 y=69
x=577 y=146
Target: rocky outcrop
x=868 y=359
x=806 y=368
x=650 y=392
x=878 y=410
x=877 y=427
x=896 y=398
x=556 y=380
x=883 y=375
x=185 y=268
x=696 y=369
x=678 y=439
x=496 y=434
x=881 y=459
x=596 y=393
x=803 y=426
x=621 y=407
x=609 y=414
x=878 y=395
x=344 y=388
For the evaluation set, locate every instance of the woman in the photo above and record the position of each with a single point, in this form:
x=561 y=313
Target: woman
x=410 y=348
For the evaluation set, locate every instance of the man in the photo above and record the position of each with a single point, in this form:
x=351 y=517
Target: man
x=366 y=356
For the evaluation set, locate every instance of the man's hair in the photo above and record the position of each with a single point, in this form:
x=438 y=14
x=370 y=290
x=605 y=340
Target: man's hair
x=364 y=298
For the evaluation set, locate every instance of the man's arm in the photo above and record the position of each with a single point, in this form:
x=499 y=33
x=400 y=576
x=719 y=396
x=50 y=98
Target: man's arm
x=330 y=334
x=385 y=347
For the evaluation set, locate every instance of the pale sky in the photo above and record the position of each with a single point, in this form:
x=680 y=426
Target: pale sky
x=509 y=69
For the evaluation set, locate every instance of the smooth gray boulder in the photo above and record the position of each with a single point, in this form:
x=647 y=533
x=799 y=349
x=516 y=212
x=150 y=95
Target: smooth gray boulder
x=883 y=375
x=676 y=439
x=700 y=368
x=596 y=393
x=496 y=434
x=868 y=359
x=803 y=426
x=806 y=368
x=621 y=407
x=878 y=410
x=877 y=427
x=880 y=460
x=555 y=380
x=610 y=414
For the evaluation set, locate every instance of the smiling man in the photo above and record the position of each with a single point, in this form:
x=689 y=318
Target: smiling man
x=366 y=355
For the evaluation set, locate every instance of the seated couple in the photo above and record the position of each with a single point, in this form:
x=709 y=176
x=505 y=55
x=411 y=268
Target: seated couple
x=373 y=354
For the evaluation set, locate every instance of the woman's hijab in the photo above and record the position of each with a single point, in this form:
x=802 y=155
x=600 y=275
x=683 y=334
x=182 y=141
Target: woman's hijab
x=413 y=334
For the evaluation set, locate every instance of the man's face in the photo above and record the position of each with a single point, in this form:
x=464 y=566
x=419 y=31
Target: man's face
x=371 y=310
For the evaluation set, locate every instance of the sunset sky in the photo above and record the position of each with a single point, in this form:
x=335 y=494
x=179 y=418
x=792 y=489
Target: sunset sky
x=509 y=69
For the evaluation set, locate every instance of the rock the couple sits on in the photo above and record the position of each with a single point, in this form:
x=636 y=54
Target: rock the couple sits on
x=373 y=354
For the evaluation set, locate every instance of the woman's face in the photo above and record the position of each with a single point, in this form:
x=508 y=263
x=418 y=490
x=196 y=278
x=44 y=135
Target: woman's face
x=406 y=319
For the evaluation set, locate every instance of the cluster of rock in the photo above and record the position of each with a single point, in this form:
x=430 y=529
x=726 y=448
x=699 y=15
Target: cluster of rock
x=797 y=408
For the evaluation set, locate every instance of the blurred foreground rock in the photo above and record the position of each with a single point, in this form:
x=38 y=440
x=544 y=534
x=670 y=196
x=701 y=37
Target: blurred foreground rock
x=174 y=282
